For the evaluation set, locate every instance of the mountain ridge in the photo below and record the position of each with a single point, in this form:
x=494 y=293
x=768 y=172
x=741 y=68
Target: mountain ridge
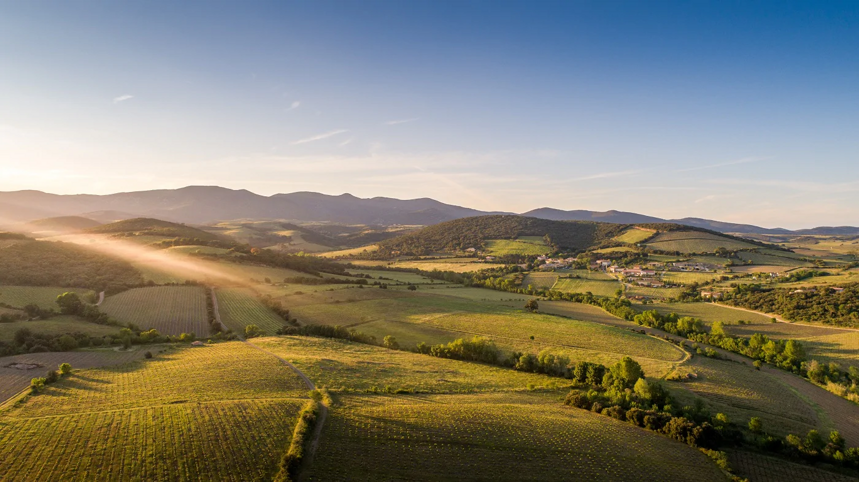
x=206 y=204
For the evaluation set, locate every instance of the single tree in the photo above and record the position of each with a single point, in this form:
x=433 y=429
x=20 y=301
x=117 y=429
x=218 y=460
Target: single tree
x=532 y=306
x=391 y=342
x=252 y=331
x=65 y=369
x=756 y=425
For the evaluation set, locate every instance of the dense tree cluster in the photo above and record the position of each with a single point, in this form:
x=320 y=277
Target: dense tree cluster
x=44 y=263
x=819 y=305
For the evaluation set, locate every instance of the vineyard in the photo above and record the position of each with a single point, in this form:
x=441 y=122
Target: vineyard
x=741 y=392
x=762 y=468
x=506 y=437
x=45 y=297
x=222 y=412
x=540 y=281
x=225 y=371
x=171 y=310
x=354 y=367
x=694 y=242
x=239 y=308
x=13 y=380
x=231 y=440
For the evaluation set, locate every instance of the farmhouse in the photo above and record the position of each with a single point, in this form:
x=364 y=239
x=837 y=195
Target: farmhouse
x=490 y=258
x=711 y=294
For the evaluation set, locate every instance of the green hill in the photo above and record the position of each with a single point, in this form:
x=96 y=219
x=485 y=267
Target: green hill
x=154 y=227
x=575 y=236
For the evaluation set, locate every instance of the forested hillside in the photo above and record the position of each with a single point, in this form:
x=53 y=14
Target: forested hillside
x=472 y=232
x=154 y=227
x=822 y=304
x=44 y=263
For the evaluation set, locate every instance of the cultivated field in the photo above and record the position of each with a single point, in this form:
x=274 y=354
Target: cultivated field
x=596 y=287
x=634 y=235
x=44 y=297
x=540 y=281
x=345 y=253
x=171 y=310
x=763 y=468
x=708 y=312
x=741 y=392
x=694 y=242
x=524 y=245
x=684 y=278
x=498 y=436
x=239 y=308
x=13 y=380
x=345 y=366
x=221 y=412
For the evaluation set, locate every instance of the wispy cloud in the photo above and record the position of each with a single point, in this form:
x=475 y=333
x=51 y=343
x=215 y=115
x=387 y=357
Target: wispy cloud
x=400 y=121
x=745 y=160
x=122 y=98
x=294 y=105
x=347 y=142
x=604 y=175
x=319 y=137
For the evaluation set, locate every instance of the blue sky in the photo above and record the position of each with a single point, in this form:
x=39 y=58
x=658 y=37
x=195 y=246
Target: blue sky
x=738 y=111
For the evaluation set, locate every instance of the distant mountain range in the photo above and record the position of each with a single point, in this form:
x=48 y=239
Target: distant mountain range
x=205 y=204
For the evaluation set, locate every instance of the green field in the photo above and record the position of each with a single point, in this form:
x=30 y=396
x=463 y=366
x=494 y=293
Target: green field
x=345 y=253
x=493 y=436
x=45 y=297
x=634 y=235
x=353 y=367
x=423 y=317
x=741 y=392
x=56 y=325
x=224 y=411
x=171 y=310
x=596 y=287
x=239 y=308
x=686 y=278
x=771 y=259
x=708 y=312
x=197 y=250
x=540 y=281
x=523 y=245
x=694 y=242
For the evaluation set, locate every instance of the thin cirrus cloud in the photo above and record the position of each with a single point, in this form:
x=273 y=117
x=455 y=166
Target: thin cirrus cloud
x=319 y=137
x=294 y=105
x=745 y=160
x=400 y=121
x=122 y=98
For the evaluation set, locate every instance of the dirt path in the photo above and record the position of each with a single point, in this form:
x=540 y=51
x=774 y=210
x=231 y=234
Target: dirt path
x=218 y=313
x=100 y=299
x=834 y=412
x=323 y=408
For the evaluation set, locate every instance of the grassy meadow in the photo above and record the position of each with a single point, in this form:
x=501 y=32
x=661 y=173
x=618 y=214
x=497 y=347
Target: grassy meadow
x=44 y=297
x=694 y=242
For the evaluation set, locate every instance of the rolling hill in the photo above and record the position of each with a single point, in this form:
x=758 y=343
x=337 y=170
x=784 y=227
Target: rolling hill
x=63 y=224
x=462 y=234
x=153 y=227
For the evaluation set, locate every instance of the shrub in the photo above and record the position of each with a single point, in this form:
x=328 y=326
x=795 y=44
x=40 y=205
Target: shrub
x=252 y=331
x=37 y=384
x=147 y=355
x=65 y=369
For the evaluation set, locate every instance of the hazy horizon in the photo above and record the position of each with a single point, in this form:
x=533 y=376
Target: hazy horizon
x=737 y=112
